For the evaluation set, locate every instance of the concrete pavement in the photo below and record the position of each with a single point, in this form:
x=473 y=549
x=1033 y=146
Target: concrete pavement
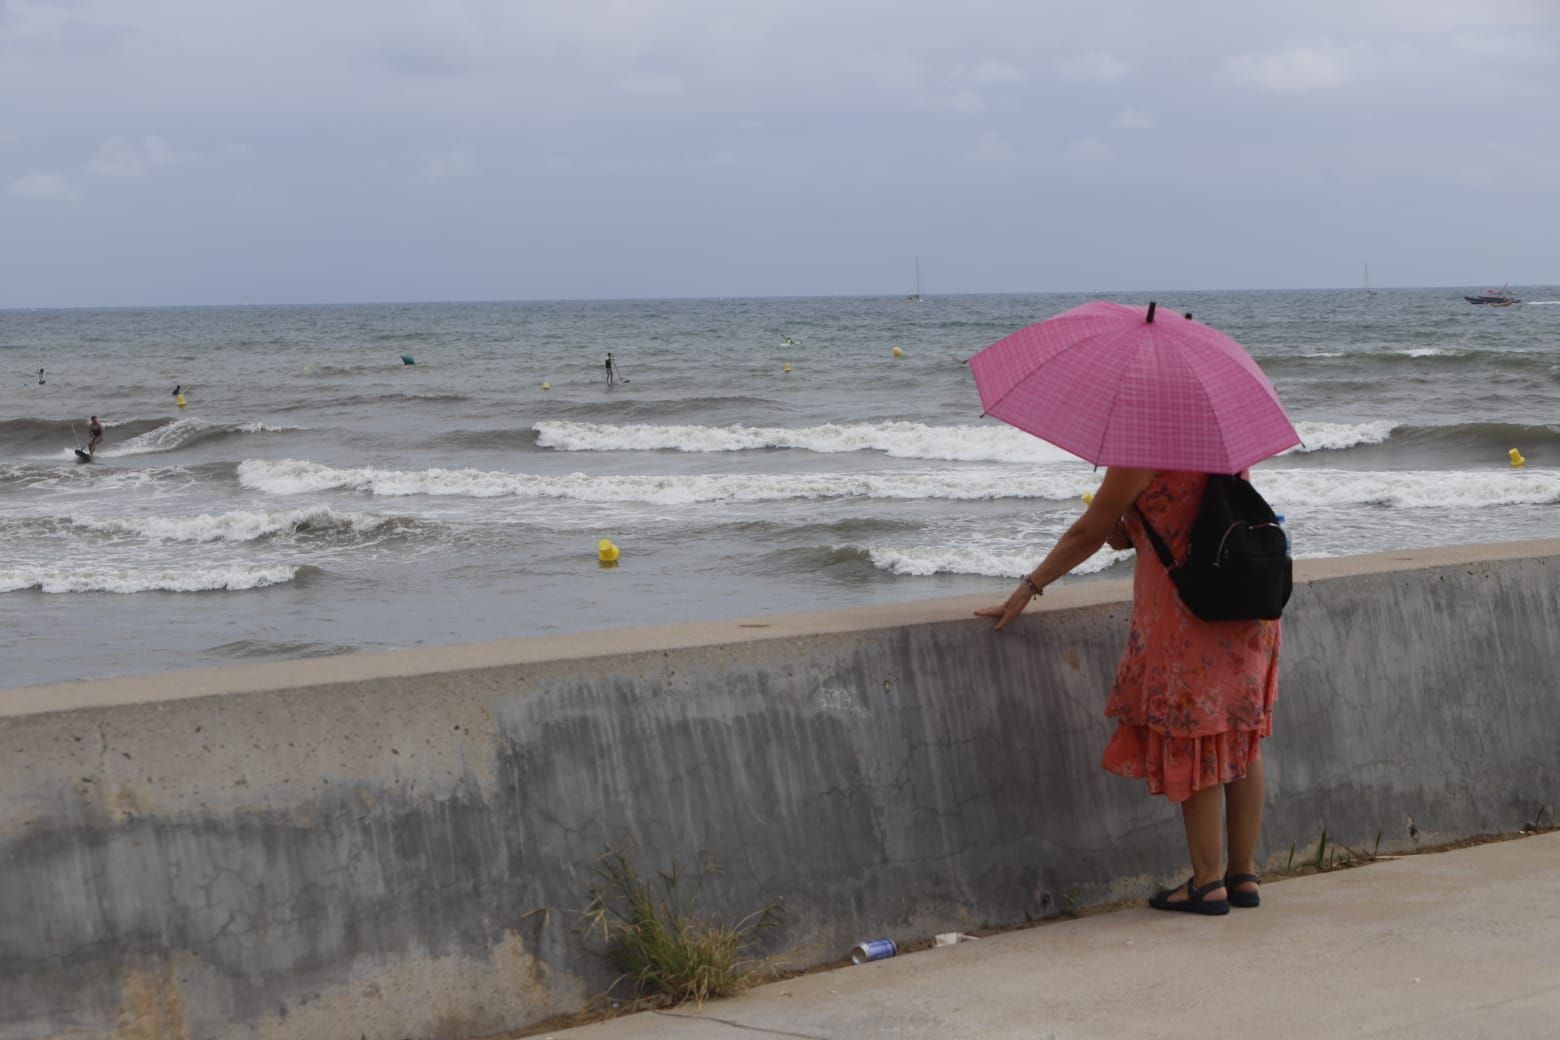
x=1457 y=945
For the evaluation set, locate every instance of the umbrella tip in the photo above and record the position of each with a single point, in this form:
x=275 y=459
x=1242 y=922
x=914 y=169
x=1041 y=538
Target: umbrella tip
x=1151 y=306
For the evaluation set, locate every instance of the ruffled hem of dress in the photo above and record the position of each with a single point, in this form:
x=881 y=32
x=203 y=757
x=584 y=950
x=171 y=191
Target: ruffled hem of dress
x=1179 y=767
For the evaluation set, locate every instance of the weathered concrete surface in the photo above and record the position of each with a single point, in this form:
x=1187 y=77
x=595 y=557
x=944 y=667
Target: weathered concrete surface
x=394 y=845
x=1451 y=946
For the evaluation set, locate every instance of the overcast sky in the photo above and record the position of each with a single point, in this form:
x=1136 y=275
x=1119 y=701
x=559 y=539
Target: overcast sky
x=202 y=151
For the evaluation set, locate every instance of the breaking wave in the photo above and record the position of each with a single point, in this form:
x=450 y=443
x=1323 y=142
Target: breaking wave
x=294 y=476
x=937 y=559
x=905 y=440
x=182 y=433
x=129 y=580
x=250 y=526
x=1323 y=436
x=1290 y=490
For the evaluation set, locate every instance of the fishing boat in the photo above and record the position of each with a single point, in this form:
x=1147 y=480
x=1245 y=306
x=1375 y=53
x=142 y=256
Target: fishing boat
x=1495 y=297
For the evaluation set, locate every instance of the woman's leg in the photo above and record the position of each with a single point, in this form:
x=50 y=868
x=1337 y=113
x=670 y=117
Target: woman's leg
x=1202 y=815
x=1243 y=806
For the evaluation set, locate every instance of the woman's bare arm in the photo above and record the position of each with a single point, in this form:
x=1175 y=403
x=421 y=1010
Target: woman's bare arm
x=1094 y=528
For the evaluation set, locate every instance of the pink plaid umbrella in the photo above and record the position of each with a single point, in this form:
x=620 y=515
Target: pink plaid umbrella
x=1112 y=385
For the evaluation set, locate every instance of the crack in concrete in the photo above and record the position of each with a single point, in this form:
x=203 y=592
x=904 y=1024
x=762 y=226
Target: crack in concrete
x=740 y=1025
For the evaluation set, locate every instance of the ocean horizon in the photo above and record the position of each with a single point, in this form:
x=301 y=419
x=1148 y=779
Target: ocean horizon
x=1117 y=295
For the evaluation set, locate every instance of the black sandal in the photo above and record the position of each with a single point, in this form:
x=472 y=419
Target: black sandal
x=1194 y=903
x=1246 y=899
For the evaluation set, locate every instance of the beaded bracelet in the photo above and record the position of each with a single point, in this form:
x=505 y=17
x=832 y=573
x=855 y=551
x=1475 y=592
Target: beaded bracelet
x=1033 y=588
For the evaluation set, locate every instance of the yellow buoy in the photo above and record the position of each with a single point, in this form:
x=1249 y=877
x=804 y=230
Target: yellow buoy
x=1516 y=457
x=606 y=552
x=546 y=386
x=788 y=366
x=897 y=352
x=179 y=400
x=1088 y=498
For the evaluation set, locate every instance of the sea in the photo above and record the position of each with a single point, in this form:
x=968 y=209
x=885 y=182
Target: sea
x=316 y=494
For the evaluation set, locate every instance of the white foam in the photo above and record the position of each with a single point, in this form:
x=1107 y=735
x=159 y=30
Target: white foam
x=1301 y=487
x=296 y=476
x=238 y=526
x=229 y=578
x=1423 y=352
x=1323 y=436
x=907 y=440
x=1291 y=490
x=921 y=561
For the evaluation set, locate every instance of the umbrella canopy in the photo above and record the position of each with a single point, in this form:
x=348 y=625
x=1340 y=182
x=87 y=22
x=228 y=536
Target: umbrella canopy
x=1114 y=386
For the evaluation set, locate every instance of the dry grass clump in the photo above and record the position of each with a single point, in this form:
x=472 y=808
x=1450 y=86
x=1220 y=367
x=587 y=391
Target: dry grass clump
x=668 y=951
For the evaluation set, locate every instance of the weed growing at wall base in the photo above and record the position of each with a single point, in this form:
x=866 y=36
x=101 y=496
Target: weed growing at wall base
x=666 y=949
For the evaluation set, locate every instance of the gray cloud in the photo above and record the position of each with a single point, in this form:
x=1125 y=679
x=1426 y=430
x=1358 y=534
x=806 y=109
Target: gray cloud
x=845 y=137
x=42 y=187
x=448 y=165
x=1323 y=65
x=1095 y=66
x=118 y=157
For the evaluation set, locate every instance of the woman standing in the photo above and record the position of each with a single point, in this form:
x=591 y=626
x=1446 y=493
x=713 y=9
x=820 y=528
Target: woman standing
x=1161 y=405
x=1192 y=698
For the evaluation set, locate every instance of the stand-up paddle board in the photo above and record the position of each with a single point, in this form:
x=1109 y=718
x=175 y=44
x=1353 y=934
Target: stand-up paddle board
x=82 y=456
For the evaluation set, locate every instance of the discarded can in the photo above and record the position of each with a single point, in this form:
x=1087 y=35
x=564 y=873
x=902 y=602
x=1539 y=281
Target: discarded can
x=873 y=950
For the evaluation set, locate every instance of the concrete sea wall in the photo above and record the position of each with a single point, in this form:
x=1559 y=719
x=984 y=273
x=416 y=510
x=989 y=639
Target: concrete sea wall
x=399 y=845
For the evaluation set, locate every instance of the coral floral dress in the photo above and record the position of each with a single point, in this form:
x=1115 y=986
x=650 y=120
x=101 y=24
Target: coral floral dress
x=1193 y=698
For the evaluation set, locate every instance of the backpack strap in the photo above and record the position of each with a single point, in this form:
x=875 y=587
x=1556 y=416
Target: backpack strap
x=1160 y=548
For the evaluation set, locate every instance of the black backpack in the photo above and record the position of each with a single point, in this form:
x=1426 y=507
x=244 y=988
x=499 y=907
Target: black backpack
x=1237 y=565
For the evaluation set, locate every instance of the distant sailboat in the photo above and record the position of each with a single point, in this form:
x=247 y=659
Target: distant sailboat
x=1370 y=294
x=915 y=297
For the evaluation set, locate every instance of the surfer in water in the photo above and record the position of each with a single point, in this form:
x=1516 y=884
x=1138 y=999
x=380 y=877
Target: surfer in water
x=94 y=428
x=611 y=370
